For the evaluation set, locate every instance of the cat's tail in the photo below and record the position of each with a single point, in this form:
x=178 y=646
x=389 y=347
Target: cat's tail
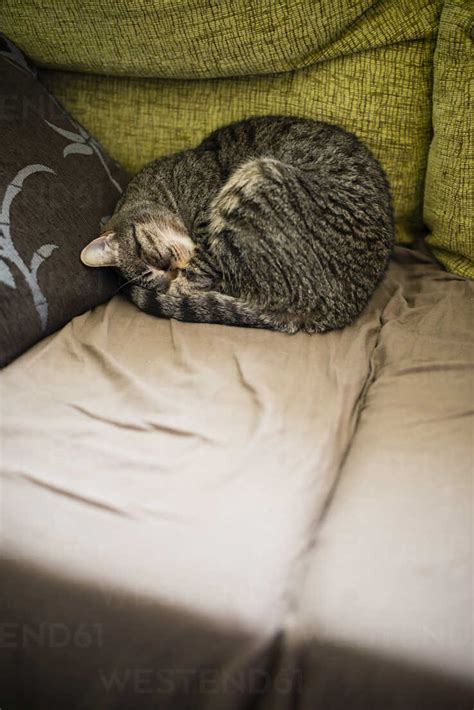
x=207 y=307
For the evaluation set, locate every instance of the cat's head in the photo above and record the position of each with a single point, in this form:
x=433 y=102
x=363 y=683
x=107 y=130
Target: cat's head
x=148 y=246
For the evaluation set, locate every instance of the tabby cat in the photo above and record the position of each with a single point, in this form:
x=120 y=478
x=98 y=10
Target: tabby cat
x=272 y=222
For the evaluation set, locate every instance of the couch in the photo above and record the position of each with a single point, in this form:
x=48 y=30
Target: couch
x=197 y=516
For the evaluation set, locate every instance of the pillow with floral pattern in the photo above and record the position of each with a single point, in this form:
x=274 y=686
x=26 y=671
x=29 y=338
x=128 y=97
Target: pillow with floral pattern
x=57 y=188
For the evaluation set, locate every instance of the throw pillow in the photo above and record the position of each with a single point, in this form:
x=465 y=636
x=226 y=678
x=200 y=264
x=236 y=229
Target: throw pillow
x=57 y=187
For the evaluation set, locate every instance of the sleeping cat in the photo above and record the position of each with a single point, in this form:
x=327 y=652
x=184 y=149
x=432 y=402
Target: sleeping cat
x=272 y=222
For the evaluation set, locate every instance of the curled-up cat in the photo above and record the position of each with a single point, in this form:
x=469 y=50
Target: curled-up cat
x=272 y=222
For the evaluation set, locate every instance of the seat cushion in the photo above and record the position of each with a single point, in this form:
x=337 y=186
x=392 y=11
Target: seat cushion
x=383 y=614
x=150 y=426
x=172 y=475
x=181 y=503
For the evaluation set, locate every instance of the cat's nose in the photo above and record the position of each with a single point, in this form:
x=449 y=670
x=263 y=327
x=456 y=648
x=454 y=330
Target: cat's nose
x=165 y=264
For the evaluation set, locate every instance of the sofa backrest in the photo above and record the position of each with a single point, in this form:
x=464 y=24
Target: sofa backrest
x=449 y=190
x=148 y=77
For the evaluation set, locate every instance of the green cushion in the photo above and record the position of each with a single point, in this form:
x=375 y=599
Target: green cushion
x=383 y=96
x=364 y=65
x=207 y=38
x=449 y=197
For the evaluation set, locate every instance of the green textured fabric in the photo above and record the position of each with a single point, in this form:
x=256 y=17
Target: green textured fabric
x=382 y=95
x=365 y=65
x=207 y=38
x=449 y=196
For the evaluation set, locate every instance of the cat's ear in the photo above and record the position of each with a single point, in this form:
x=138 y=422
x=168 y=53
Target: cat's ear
x=102 y=251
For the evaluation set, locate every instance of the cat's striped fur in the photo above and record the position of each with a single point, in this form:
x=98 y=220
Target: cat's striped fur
x=272 y=222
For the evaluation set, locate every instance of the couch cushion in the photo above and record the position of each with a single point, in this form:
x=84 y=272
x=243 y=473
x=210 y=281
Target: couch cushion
x=385 y=609
x=178 y=470
x=166 y=516
x=449 y=201
x=381 y=95
x=364 y=65
x=203 y=38
x=56 y=185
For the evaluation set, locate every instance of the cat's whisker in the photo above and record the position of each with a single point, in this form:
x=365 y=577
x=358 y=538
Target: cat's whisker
x=126 y=283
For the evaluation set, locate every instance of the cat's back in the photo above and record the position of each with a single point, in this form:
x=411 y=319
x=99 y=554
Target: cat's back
x=331 y=160
x=291 y=139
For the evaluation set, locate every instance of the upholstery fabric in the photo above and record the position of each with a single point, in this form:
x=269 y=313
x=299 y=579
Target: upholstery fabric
x=208 y=38
x=449 y=197
x=197 y=516
x=382 y=95
x=398 y=530
x=365 y=65
x=55 y=187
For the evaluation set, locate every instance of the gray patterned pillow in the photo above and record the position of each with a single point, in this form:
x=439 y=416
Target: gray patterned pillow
x=57 y=188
